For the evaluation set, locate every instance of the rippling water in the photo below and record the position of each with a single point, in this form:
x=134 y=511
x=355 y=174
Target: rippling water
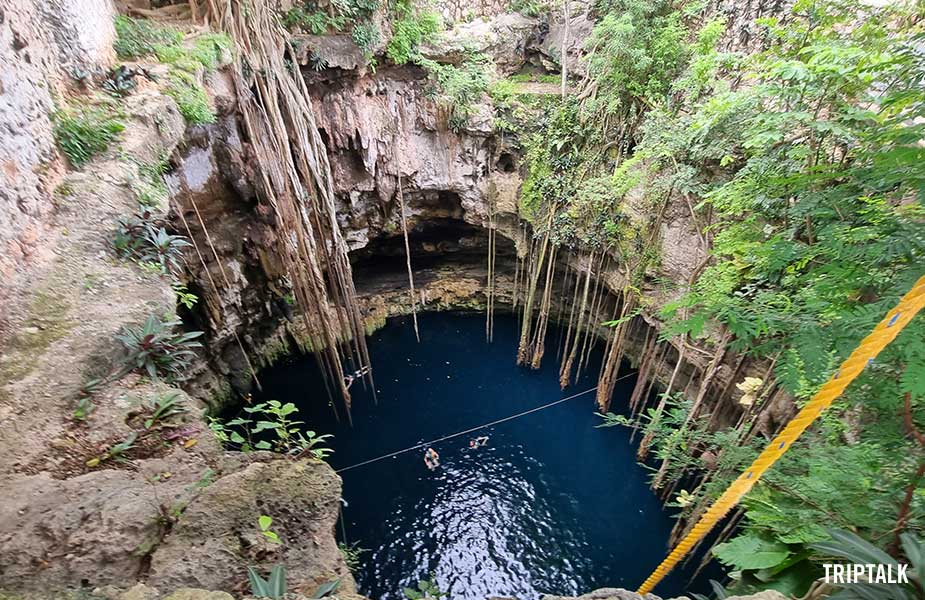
x=550 y=505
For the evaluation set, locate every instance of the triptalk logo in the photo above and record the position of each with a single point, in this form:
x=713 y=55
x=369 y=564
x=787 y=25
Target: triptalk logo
x=865 y=573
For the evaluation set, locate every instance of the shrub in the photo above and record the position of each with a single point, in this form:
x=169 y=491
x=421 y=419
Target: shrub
x=157 y=349
x=366 y=35
x=146 y=240
x=83 y=132
x=458 y=88
x=140 y=37
x=190 y=96
x=163 y=408
x=410 y=30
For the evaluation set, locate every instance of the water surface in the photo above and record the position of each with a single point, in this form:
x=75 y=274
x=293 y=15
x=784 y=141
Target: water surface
x=550 y=505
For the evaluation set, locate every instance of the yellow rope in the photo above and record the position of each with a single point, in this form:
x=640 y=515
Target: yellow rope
x=884 y=333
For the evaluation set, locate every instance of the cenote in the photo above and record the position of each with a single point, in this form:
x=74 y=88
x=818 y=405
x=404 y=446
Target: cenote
x=550 y=505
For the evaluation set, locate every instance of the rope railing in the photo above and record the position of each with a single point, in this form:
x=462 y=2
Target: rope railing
x=884 y=333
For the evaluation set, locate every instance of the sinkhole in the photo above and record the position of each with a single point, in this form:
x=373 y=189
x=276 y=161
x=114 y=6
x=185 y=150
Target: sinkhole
x=549 y=505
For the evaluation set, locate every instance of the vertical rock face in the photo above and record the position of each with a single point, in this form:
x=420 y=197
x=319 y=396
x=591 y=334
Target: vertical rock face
x=42 y=43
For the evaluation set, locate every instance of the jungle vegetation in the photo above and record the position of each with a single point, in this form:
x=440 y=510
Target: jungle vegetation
x=800 y=162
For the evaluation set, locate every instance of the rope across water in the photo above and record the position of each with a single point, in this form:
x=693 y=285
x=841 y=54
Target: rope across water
x=472 y=429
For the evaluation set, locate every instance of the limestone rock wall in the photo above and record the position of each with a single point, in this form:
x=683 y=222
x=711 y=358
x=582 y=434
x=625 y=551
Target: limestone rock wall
x=44 y=44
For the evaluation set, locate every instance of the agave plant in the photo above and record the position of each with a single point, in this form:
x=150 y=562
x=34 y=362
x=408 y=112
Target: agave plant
x=273 y=586
x=157 y=349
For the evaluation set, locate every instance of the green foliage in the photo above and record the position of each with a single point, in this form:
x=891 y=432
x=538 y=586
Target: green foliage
x=264 y=522
x=84 y=130
x=190 y=96
x=326 y=589
x=530 y=8
x=155 y=348
x=163 y=408
x=637 y=49
x=274 y=586
x=140 y=37
x=351 y=554
x=268 y=426
x=145 y=239
x=426 y=590
x=83 y=409
x=457 y=88
x=849 y=546
x=116 y=452
x=316 y=22
x=184 y=297
x=752 y=552
x=412 y=27
x=367 y=36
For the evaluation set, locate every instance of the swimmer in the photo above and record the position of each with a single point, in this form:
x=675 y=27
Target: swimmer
x=349 y=379
x=431 y=459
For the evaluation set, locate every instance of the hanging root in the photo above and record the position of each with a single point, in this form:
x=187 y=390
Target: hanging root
x=565 y=370
x=404 y=229
x=295 y=179
x=490 y=284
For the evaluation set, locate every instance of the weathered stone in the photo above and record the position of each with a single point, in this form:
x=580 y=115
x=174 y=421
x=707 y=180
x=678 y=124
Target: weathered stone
x=197 y=594
x=217 y=536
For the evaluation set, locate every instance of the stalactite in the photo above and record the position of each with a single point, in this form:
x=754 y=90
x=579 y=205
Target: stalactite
x=295 y=179
x=565 y=370
x=404 y=230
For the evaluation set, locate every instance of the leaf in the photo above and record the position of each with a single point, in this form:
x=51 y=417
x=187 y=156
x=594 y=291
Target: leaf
x=412 y=594
x=326 y=588
x=263 y=445
x=264 y=425
x=264 y=521
x=259 y=585
x=848 y=545
x=748 y=551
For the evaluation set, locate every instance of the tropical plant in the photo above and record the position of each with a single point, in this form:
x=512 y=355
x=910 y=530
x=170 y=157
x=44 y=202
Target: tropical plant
x=155 y=348
x=286 y=435
x=116 y=452
x=83 y=131
x=351 y=554
x=326 y=589
x=163 y=408
x=411 y=27
x=427 y=589
x=145 y=239
x=83 y=408
x=858 y=551
x=274 y=586
x=264 y=522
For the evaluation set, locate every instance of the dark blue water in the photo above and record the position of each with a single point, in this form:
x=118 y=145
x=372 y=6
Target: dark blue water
x=550 y=505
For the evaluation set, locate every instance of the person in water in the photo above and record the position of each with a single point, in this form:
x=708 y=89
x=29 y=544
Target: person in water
x=431 y=459
x=478 y=442
x=349 y=379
